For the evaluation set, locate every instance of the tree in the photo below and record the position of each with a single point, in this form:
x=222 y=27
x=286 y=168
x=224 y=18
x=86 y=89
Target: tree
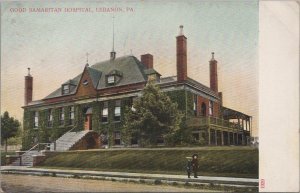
x=152 y=115
x=9 y=127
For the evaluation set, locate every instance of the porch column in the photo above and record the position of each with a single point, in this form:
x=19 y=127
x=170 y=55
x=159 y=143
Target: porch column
x=209 y=142
x=243 y=139
x=237 y=138
x=233 y=138
x=250 y=126
x=242 y=124
x=228 y=134
x=222 y=137
x=216 y=137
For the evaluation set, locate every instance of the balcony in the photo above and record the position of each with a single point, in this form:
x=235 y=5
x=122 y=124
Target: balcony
x=215 y=123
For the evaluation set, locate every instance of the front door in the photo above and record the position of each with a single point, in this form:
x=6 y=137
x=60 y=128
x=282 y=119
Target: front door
x=88 y=122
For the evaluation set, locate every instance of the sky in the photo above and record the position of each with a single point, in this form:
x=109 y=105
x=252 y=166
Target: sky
x=54 y=44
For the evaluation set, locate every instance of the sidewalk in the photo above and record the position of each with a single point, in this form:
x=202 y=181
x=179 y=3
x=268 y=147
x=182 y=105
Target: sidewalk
x=162 y=178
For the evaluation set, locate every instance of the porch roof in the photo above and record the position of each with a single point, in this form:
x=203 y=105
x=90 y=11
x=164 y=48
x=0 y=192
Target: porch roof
x=233 y=114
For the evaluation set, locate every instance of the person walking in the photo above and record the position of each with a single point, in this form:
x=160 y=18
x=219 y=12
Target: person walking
x=195 y=165
x=189 y=166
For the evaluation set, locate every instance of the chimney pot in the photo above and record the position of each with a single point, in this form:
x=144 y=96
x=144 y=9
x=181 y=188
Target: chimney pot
x=112 y=55
x=28 y=71
x=181 y=30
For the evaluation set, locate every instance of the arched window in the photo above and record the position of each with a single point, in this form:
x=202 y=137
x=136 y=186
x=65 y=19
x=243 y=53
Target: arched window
x=203 y=109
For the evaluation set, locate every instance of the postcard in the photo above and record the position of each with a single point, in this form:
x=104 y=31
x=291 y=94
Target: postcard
x=149 y=96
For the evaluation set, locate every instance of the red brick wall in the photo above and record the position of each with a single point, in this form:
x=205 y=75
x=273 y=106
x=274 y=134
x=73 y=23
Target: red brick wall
x=200 y=101
x=216 y=112
x=147 y=60
x=216 y=107
x=120 y=89
x=38 y=159
x=181 y=50
x=90 y=141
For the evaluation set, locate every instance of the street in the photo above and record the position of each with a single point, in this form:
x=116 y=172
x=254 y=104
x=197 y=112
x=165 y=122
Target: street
x=29 y=184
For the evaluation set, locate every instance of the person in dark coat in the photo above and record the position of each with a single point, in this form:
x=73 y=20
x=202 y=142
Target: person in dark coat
x=195 y=165
x=189 y=167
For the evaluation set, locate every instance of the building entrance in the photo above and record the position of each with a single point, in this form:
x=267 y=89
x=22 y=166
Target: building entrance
x=88 y=119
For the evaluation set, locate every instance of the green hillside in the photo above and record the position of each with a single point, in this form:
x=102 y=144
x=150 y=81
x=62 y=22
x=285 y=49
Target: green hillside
x=213 y=161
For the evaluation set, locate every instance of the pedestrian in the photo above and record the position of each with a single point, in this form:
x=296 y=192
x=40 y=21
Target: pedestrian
x=195 y=165
x=189 y=166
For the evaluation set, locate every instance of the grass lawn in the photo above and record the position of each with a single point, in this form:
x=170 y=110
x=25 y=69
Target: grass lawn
x=213 y=161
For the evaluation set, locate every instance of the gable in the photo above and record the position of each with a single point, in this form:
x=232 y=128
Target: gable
x=131 y=69
x=85 y=86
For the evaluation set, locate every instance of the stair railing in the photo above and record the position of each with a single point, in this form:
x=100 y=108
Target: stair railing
x=33 y=147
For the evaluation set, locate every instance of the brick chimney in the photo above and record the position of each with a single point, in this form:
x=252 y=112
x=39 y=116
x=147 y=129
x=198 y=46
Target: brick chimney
x=181 y=53
x=147 y=60
x=28 y=88
x=213 y=69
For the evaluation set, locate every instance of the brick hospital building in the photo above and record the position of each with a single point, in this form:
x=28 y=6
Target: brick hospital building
x=87 y=111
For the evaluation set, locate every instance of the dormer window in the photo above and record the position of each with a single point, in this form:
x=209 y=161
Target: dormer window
x=65 y=89
x=153 y=76
x=111 y=79
x=68 y=87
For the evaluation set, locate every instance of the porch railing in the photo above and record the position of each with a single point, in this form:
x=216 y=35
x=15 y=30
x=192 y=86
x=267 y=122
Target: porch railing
x=204 y=121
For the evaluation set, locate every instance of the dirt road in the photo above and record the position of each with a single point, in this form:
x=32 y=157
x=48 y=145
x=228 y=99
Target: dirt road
x=30 y=184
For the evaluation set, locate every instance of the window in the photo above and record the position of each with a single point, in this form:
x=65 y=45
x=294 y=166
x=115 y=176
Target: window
x=61 y=116
x=71 y=115
x=85 y=82
x=117 y=137
x=195 y=104
x=65 y=89
x=203 y=109
x=111 y=79
x=117 y=116
x=36 y=119
x=104 y=117
x=104 y=138
x=49 y=118
x=152 y=77
x=133 y=99
x=211 y=108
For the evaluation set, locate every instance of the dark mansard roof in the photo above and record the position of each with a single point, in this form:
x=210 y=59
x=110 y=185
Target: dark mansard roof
x=130 y=69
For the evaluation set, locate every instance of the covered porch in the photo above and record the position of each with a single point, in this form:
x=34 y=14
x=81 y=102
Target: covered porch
x=233 y=129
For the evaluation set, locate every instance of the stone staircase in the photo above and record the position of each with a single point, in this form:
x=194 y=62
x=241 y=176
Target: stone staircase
x=65 y=142
x=27 y=159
